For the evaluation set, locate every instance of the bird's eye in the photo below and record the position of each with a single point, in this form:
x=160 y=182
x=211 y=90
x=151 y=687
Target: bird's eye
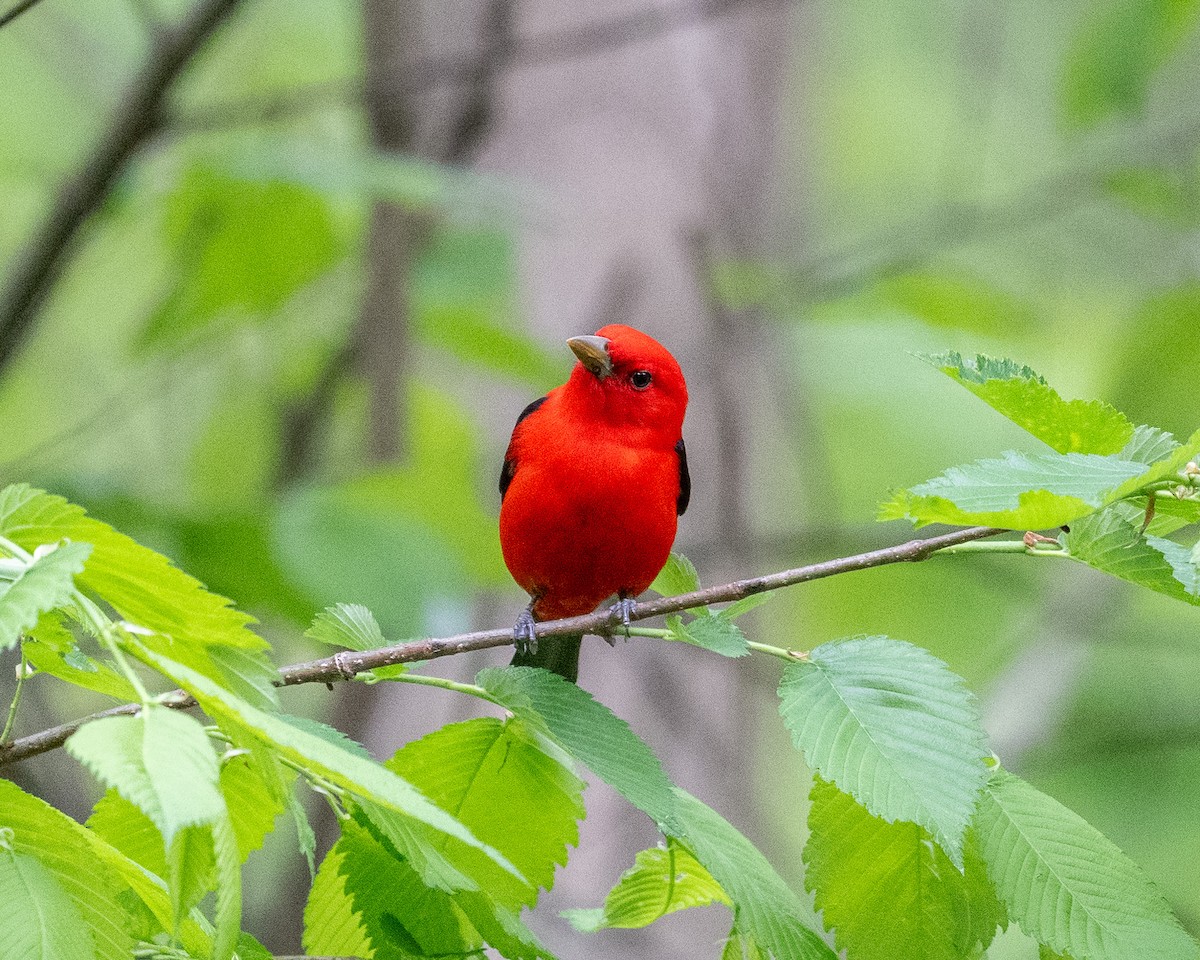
x=640 y=379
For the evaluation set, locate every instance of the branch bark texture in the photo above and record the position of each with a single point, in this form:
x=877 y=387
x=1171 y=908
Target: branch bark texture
x=349 y=664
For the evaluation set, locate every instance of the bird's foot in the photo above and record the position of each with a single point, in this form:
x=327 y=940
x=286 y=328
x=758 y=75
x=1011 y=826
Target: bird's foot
x=622 y=610
x=523 y=632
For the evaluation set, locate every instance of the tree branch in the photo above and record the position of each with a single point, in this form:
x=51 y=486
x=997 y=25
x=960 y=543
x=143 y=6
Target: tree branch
x=348 y=664
x=35 y=269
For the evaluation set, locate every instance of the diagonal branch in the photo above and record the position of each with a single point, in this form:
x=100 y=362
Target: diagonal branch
x=349 y=664
x=46 y=252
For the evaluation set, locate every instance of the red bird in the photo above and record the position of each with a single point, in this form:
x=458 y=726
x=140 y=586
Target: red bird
x=593 y=481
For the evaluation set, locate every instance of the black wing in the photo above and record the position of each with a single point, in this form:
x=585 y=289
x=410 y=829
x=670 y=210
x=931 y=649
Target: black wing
x=685 y=480
x=509 y=470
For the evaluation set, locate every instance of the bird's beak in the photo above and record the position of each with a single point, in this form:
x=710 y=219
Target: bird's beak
x=593 y=354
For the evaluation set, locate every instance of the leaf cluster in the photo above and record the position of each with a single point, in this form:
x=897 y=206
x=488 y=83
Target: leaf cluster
x=920 y=843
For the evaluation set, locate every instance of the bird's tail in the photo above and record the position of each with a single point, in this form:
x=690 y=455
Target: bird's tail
x=557 y=654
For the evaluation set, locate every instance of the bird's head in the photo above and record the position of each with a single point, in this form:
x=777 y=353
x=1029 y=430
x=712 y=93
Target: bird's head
x=630 y=378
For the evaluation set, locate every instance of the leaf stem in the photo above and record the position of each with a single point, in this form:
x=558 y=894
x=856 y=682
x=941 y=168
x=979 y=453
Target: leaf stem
x=429 y=681
x=1003 y=546
x=791 y=656
x=16 y=700
x=107 y=633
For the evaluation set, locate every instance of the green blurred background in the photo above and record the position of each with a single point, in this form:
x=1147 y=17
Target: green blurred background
x=288 y=345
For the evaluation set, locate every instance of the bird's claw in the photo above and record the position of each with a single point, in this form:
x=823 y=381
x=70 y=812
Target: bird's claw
x=523 y=632
x=622 y=610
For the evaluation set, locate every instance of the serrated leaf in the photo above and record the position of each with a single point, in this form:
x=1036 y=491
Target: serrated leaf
x=393 y=905
x=677 y=576
x=1068 y=886
x=45 y=584
x=1149 y=445
x=93 y=875
x=141 y=585
x=76 y=667
x=662 y=880
x=1113 y=60
x=589 y=732
x=332 y=927
x=1018 y=492
x=252 y=803
x=1112 y=544
x=344 y=766
x=306 y=838
x=129 y=830
x=227 y=915
x=712 y=632
x=1075 y=426
x=765 y=909
x=888 y=890
x=349 y=625
x=1169 y=468
x=39 y=922
x=492 y=774
x=160 y=760
x=891 y=725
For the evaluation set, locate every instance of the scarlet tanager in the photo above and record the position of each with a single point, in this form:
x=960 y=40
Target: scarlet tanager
x=593 y=481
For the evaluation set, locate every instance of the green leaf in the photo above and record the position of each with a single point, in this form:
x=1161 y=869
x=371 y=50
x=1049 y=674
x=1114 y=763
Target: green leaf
x=45 y=584
x=765 y=909
x=94 y=876
x=349 y=625
x=395 y=908
x=712 y=632
x=74 y=666
x=1114 y=58
x=227 y=916
x=40 y=921
x=142 y=586
x=1076 y=426
x=745 y=605
x=1112 y=544
x=1149 y=445
x=253 y=803
x=337 y=763
x=332 y=927
x=1068 y=886
x=129 y=830
x=1020 y=491
x=306 y=838
x=160 y=760
x=1169 y=467
x=589 y=732
x=492 y=774
x=891 y=725
x=241 y=247
x=888 y=890
x=676 y=577
x=662 y=880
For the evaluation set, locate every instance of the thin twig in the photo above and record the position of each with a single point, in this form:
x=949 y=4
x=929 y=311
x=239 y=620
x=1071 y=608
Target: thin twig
x=349 y=663
x=45 y=254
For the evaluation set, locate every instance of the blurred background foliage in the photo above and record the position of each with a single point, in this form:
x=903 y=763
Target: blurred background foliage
x=1013 y=178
